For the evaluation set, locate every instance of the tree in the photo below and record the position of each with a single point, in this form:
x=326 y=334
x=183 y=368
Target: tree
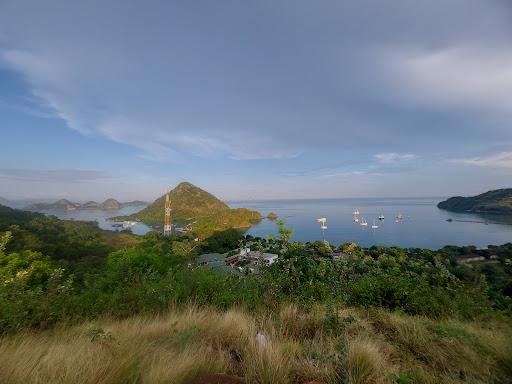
x=285 y=233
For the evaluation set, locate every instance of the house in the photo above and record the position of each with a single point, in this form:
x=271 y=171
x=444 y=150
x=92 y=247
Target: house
x=470 y=258
x=340 y=256
x=231 y=259
x=267 y=258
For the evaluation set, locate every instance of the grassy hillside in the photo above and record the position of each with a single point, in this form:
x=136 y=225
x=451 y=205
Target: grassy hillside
x=59 y=239
x=191 y=204
x=324 y=345
x=497 y=201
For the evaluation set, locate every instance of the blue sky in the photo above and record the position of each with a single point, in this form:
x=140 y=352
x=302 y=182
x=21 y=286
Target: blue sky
x=255 y=100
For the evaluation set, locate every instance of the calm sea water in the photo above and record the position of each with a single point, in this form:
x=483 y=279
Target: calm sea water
x=101 y=217
x=424 y=225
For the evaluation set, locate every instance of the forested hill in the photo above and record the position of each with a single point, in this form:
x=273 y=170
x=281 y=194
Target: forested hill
x=59 y=239
x=496 y=201
x=191 y=204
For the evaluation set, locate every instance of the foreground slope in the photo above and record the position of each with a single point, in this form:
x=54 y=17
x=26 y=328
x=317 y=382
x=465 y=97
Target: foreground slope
x=191 y=204
x=342 y=345
x=496 y=201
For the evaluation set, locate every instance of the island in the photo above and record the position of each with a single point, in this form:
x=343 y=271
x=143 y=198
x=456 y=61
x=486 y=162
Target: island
x=196 y=210
x=497 y=201
x=66 y=205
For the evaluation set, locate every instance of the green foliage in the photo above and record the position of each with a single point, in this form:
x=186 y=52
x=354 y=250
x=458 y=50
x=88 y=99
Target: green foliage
x=401 y=378
x=222 y=241
x=60 y=239
x=32 y=290
x=39 y=289
x=497 y=201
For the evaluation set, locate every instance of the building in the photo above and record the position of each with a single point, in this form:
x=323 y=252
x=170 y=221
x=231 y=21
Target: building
x=267 y=258
x=470 y=259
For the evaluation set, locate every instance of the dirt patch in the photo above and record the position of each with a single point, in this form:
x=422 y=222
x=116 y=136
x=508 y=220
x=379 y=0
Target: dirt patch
x=217 y=378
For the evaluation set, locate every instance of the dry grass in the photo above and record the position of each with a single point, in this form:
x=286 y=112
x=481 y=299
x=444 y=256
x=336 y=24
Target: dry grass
x=360 y=347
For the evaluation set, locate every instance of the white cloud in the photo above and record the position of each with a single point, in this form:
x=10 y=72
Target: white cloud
x=457 y=76
x=208 y=81
x=501 y=160
x=392 y=157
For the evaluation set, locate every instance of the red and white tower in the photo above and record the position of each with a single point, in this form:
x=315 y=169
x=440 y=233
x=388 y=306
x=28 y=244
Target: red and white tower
x=167 y=217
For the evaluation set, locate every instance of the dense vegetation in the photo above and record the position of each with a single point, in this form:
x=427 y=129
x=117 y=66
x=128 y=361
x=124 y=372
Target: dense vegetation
x=54 y=271
x=497 y=201
x=192 y=205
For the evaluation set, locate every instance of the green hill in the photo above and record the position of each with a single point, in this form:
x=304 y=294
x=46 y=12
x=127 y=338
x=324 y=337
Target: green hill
x=190 y=204
x=61 y=205
x=498 y=201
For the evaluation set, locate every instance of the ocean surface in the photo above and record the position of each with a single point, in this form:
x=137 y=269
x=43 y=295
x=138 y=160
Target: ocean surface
x=424 y=225
x=101 y=217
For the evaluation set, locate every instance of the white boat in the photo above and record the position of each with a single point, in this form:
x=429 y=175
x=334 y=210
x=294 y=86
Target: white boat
x=323 y=227
x=364 y=223
x=356 y=219
x=381 y=217
x=374 y=226
x=322 y=220
x=400 y=216
x=128 y=224
x=356 y=212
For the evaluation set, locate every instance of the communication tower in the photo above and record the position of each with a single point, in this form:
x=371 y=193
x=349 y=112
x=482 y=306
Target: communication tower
x=167 y=217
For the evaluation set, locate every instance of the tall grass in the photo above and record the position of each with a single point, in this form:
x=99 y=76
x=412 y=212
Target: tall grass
x=349 y=346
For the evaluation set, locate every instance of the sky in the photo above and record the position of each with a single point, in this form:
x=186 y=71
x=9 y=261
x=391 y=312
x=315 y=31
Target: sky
x=265 y=99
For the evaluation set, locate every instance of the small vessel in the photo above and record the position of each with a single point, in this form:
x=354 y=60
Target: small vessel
x=356 y=219
x=381 y=217
x=374 y=226
x=124 y=224
x=323 y=226
x=356 y=212
x=400 y=216
x=364 y=223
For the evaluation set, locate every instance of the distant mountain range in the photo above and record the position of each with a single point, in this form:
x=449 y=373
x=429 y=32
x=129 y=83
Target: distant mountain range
x=192 y=205
x=498 y=201
x=66 y=205
x=5 y=202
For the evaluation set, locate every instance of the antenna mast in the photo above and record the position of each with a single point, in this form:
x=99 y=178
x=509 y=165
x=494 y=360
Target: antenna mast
x=167 y=217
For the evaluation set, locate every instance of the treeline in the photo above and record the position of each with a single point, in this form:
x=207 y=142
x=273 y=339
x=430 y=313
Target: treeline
x=46 y=275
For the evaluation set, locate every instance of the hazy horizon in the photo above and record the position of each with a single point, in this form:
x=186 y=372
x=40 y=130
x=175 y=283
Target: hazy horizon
x=82 y=201
x=268 y=100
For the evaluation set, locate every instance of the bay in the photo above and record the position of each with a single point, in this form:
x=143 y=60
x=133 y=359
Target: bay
x=424 y=225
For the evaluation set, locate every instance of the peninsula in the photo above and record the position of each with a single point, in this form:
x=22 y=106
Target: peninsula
x=498 y=201
x=201 y=210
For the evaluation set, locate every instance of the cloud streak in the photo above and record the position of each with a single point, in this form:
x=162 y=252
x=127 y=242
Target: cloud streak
x=501 y=160
x=391 y=157
x=52 y=175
